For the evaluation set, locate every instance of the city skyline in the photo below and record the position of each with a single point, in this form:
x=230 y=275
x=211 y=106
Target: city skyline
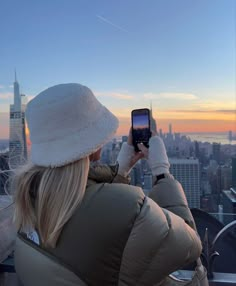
x=124 y=125
x=179 y=55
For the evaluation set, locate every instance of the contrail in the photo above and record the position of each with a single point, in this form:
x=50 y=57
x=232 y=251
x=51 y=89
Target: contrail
x=110 y=23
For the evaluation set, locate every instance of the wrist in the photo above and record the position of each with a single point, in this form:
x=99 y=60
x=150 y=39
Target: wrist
x=162 y=176
x=160 y=170
x=124 y=172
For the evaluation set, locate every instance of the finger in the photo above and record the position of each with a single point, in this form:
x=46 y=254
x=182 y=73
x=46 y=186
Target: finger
x=143 y=149
x=130 y=138
x=136 y=157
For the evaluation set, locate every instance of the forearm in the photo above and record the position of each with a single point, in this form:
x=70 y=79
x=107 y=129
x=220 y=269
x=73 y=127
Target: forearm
x=169 y=245
x=168 y=193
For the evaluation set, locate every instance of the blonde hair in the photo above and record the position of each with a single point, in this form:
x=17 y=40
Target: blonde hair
x=46 y=198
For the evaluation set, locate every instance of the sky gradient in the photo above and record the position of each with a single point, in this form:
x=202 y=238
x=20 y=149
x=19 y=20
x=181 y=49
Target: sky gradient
x=179 y=54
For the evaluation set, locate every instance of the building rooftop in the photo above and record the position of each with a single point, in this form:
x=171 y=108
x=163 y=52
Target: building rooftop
x=231 y=194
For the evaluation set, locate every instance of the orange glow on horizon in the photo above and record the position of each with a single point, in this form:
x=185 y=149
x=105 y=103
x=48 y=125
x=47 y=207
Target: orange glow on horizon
x=196 y=115
x=184 y=125
x=182 y=121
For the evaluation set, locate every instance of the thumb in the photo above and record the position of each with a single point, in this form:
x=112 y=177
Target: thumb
x=143 y=149
x=135 y=158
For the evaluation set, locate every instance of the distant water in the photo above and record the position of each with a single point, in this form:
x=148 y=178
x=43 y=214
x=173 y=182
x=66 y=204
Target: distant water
x=217 y=137
x=211 y=137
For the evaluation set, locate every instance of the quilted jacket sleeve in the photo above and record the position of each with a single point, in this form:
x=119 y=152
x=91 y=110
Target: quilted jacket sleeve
x=160 y=243
x=168 y=193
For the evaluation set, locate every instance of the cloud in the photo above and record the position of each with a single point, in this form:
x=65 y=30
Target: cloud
x=122 y=96
x=6 y=95
x=212 y=104
x=232 y=111
x=118 y=95
x=184 y=125
x=10 y=95
x=172 y=95
x=1 y=86
x=110 y=23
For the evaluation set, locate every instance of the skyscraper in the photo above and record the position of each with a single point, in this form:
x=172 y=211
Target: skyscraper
x=17 y=142
x=196 y=149
x=234 y=172
x=124 y=139
x=170 y=128
x=135 y=175
x=160 y=133
x=147 y=183
x=187 y=172
x=216 y=152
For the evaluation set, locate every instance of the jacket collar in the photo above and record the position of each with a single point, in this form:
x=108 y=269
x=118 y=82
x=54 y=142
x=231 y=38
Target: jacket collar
x=99 y=173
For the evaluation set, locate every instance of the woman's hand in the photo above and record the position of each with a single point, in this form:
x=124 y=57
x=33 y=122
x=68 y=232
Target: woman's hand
x=156 y=155
x=143 y=148
x=136 y=155
x=127 y=157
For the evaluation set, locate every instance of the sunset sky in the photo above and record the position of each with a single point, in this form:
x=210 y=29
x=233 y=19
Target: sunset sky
x=178 y=54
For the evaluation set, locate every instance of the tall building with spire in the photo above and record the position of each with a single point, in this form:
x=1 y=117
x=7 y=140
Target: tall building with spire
x=17 y=142
x=170 y=128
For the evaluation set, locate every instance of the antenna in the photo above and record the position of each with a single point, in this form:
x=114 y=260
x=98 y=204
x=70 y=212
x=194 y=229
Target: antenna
x=15 y=76
x=150 y=105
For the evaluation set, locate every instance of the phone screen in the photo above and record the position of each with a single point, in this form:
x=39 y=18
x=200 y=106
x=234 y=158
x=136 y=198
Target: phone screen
x=140 y=127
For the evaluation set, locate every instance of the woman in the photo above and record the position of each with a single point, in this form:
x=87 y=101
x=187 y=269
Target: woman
x=82 y=224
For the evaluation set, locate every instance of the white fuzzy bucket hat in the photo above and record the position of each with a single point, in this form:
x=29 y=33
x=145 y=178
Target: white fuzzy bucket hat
x=67 y=123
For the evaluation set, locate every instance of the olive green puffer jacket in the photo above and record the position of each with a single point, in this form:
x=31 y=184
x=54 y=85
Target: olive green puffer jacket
x=117 y=236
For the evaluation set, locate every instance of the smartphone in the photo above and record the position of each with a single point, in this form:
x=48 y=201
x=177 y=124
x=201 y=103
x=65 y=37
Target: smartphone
x=141 y=132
